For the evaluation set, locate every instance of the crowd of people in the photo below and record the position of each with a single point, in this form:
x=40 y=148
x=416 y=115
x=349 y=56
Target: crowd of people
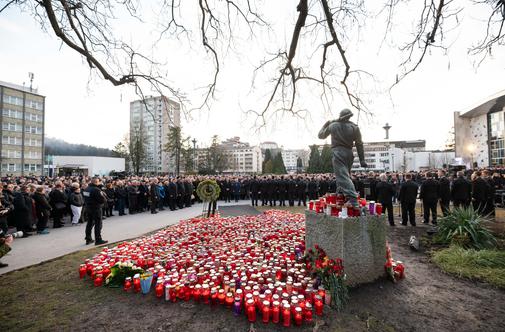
x=30 y=203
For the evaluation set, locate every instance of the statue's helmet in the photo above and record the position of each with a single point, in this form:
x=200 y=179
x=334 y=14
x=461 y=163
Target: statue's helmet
x=345 y=114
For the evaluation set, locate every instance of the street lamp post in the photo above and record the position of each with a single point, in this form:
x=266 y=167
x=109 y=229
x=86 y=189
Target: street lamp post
x=194 y=154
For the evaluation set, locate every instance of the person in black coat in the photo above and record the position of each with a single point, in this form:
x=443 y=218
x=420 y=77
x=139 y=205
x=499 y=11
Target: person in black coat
x=271 y=191
x=301 y=191
x=408 y=197
x=282 y=188
x=8 y=202
x=94 y=200
x=181 y=192
x=461 y=191
x=430 y=194
x=121 y=197
x=490 y=204
x=480 y=193
x=23 y=211
x=58 y=202
x=254 y=187
x=291 y=191
x=133 y=197
x=444 y=192
x=369 y=187
x=171 y=193
x=153 y=195
x=323 y=186
x=312 y=188
x=188 y=191
x=385 y=193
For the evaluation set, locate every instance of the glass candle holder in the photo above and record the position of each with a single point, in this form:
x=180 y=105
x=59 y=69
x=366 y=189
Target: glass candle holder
x=265 y=311
x=318 y=305
x=98 y=280
x=229 y=299
x=276 y=312
x=221 y=296
x=136 y=285
x=286 y=315
x=251 y=311
x=159 y=290
x=127 y=284
x=298 y=316
x=237 y=306
x=82 y=271
x=307 y=312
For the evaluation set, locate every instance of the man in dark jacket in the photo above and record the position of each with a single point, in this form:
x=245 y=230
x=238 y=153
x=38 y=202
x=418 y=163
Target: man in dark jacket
x=94 y=200
x=181 y=192
x=172 y=195
x=312 y=188
x=301 y=191
x=291 y=190
x=121 y=197
x=408 y=197
x=480 y=193
x=461 y=191
x=430 y=195
x=444 y=192
x=188 y=191
x=153 y=195
x=58 y=201
x=254 y=187
x=133 y=197
x=282 y=188
x=23 y=211
x=385 y=192
x=42 y=210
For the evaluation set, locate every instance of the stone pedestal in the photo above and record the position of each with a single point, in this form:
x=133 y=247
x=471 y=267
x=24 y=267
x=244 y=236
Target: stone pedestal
x=359 y=241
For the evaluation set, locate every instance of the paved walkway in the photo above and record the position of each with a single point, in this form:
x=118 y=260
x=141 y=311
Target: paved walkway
x=39 y=248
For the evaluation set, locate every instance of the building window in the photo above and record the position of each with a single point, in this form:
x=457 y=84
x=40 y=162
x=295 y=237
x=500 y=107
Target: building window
x=11 y=154
x=496 y=127
x=13 y=100
x=11 y=140
x=7 y=112
x=33 y=155
x=9 y=167
x=33 y=117
x=34 y=104
x=33 y=142
x=32 y=167
x=33 y=129
x=12 y=126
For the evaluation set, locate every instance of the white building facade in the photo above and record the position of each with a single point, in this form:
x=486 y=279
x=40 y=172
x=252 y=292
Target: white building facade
x=152 y=118
x=480 y=133
x=85 y=165
x=290 y=158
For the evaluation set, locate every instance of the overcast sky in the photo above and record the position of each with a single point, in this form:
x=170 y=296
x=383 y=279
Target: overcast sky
x=82 y=108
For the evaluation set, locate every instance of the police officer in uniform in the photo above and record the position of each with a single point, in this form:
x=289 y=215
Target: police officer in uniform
x=94 y=200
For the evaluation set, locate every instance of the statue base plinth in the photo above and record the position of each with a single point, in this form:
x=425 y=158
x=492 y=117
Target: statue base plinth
x=359 y=241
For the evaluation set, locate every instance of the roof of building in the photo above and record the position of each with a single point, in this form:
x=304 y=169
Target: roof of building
x=20 y=87
x=420 y=143
x=491 y=104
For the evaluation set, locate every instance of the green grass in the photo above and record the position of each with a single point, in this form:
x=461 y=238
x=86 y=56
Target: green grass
x=482 y=265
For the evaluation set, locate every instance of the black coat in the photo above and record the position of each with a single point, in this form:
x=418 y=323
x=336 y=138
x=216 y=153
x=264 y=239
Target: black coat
x=57 y=199
x=41 y=203
x=23 y=210
x=461 y=190
x=480 y=190
x=430 y=190
x=254 y=186
x=444 y=189
x=93 y=197
x=172 y=190
x=385 y=192
x=408 y=192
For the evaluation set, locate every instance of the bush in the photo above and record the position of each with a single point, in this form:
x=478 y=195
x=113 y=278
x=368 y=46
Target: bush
x=464 y=227
x=483 y=265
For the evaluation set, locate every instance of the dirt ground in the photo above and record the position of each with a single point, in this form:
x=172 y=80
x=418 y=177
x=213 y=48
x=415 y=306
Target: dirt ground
x=50 y=297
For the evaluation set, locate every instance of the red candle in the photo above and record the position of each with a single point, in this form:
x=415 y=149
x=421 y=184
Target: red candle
x=159 y=290
x=196 y=293
x=82 y=271
x=229 y=299
x=173 y=293
x=318 y=305
x=298 y=316
x=276 y=312
x=127 y=284
x=221 y=296
x=136 y=285
x=251 y=311
x=307 y=312
x=286 y=315
x=266 y=311
x=206 y=294
x=98 y=280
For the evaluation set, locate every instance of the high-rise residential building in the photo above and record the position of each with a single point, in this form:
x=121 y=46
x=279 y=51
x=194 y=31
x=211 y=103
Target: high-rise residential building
x=152 y=118
x=290 y=158
x=22 y=130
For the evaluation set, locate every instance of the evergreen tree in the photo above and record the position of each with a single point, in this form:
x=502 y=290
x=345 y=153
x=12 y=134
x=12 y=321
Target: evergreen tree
x=278 y=164
x=314 y=160
x=268 y=168
x=268 y=157
x=326 y=157
x=137 y=148
x=218 y=161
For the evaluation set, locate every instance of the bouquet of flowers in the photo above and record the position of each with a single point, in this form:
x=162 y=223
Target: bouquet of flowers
x=330 y=274
x=119 y=272
x=394 y=269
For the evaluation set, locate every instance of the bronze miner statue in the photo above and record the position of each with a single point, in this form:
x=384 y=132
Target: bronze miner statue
x=344 y=134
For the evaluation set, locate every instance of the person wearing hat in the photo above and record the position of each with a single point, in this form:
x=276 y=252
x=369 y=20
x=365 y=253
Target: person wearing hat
x=344 y=135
